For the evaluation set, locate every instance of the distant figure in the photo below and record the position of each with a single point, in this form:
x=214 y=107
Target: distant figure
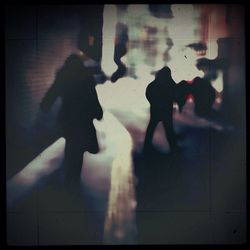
x=120 y=50
x=161 y=95
x=204 y=96
x=75 y=85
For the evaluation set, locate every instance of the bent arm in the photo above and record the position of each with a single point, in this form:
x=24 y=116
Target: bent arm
x=98 y=109
x=51 y=95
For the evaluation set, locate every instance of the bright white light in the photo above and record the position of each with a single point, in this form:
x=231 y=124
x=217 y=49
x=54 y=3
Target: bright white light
x=183 y=64
x=212 y=49
x=109 y=32
x=182 y=27
x=112 y=170
x=182 y=30
x=119 y=222
x=126 y=95
x=218 y=82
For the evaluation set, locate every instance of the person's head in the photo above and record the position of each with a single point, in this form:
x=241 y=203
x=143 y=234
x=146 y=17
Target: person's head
x=163 y=74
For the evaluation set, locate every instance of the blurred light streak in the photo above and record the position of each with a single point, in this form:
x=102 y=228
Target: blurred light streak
x=188 y=118
x=37 y=170
x=111 y=172
x=120 y=216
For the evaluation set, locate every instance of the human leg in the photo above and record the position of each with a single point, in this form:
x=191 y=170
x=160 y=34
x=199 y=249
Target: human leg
x=149 y=133
x=73 y=159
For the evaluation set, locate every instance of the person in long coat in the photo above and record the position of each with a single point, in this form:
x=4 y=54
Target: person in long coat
x=75 y=85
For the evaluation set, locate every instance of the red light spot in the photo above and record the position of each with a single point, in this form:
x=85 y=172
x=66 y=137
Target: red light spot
x=190 y=97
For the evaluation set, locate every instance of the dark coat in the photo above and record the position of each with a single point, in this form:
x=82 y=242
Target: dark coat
x=204 y=95
x=161 y=94
x=76 y=86
x=182 y=90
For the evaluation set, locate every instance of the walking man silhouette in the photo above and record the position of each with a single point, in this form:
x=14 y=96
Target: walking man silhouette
x=161 y=94
x=75 y=84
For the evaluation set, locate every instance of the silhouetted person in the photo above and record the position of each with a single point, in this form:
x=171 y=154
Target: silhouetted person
x=161 y=95
x=182 y=90
x=75 y=85
x=120 y=50
x=204 y=96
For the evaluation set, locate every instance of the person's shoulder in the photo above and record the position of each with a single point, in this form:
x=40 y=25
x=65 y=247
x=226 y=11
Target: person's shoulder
x=150 y=85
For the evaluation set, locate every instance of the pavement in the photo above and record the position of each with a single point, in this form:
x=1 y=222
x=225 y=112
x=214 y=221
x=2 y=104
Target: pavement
x=196 y=196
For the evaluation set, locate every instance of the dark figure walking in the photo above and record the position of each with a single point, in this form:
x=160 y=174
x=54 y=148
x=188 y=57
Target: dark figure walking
x=204 y=96
x=75 y=85
x=161 y=95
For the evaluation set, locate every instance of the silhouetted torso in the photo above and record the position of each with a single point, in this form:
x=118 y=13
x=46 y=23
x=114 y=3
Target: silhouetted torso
x=160 y=94
x=182 y=90
x=204 y=96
